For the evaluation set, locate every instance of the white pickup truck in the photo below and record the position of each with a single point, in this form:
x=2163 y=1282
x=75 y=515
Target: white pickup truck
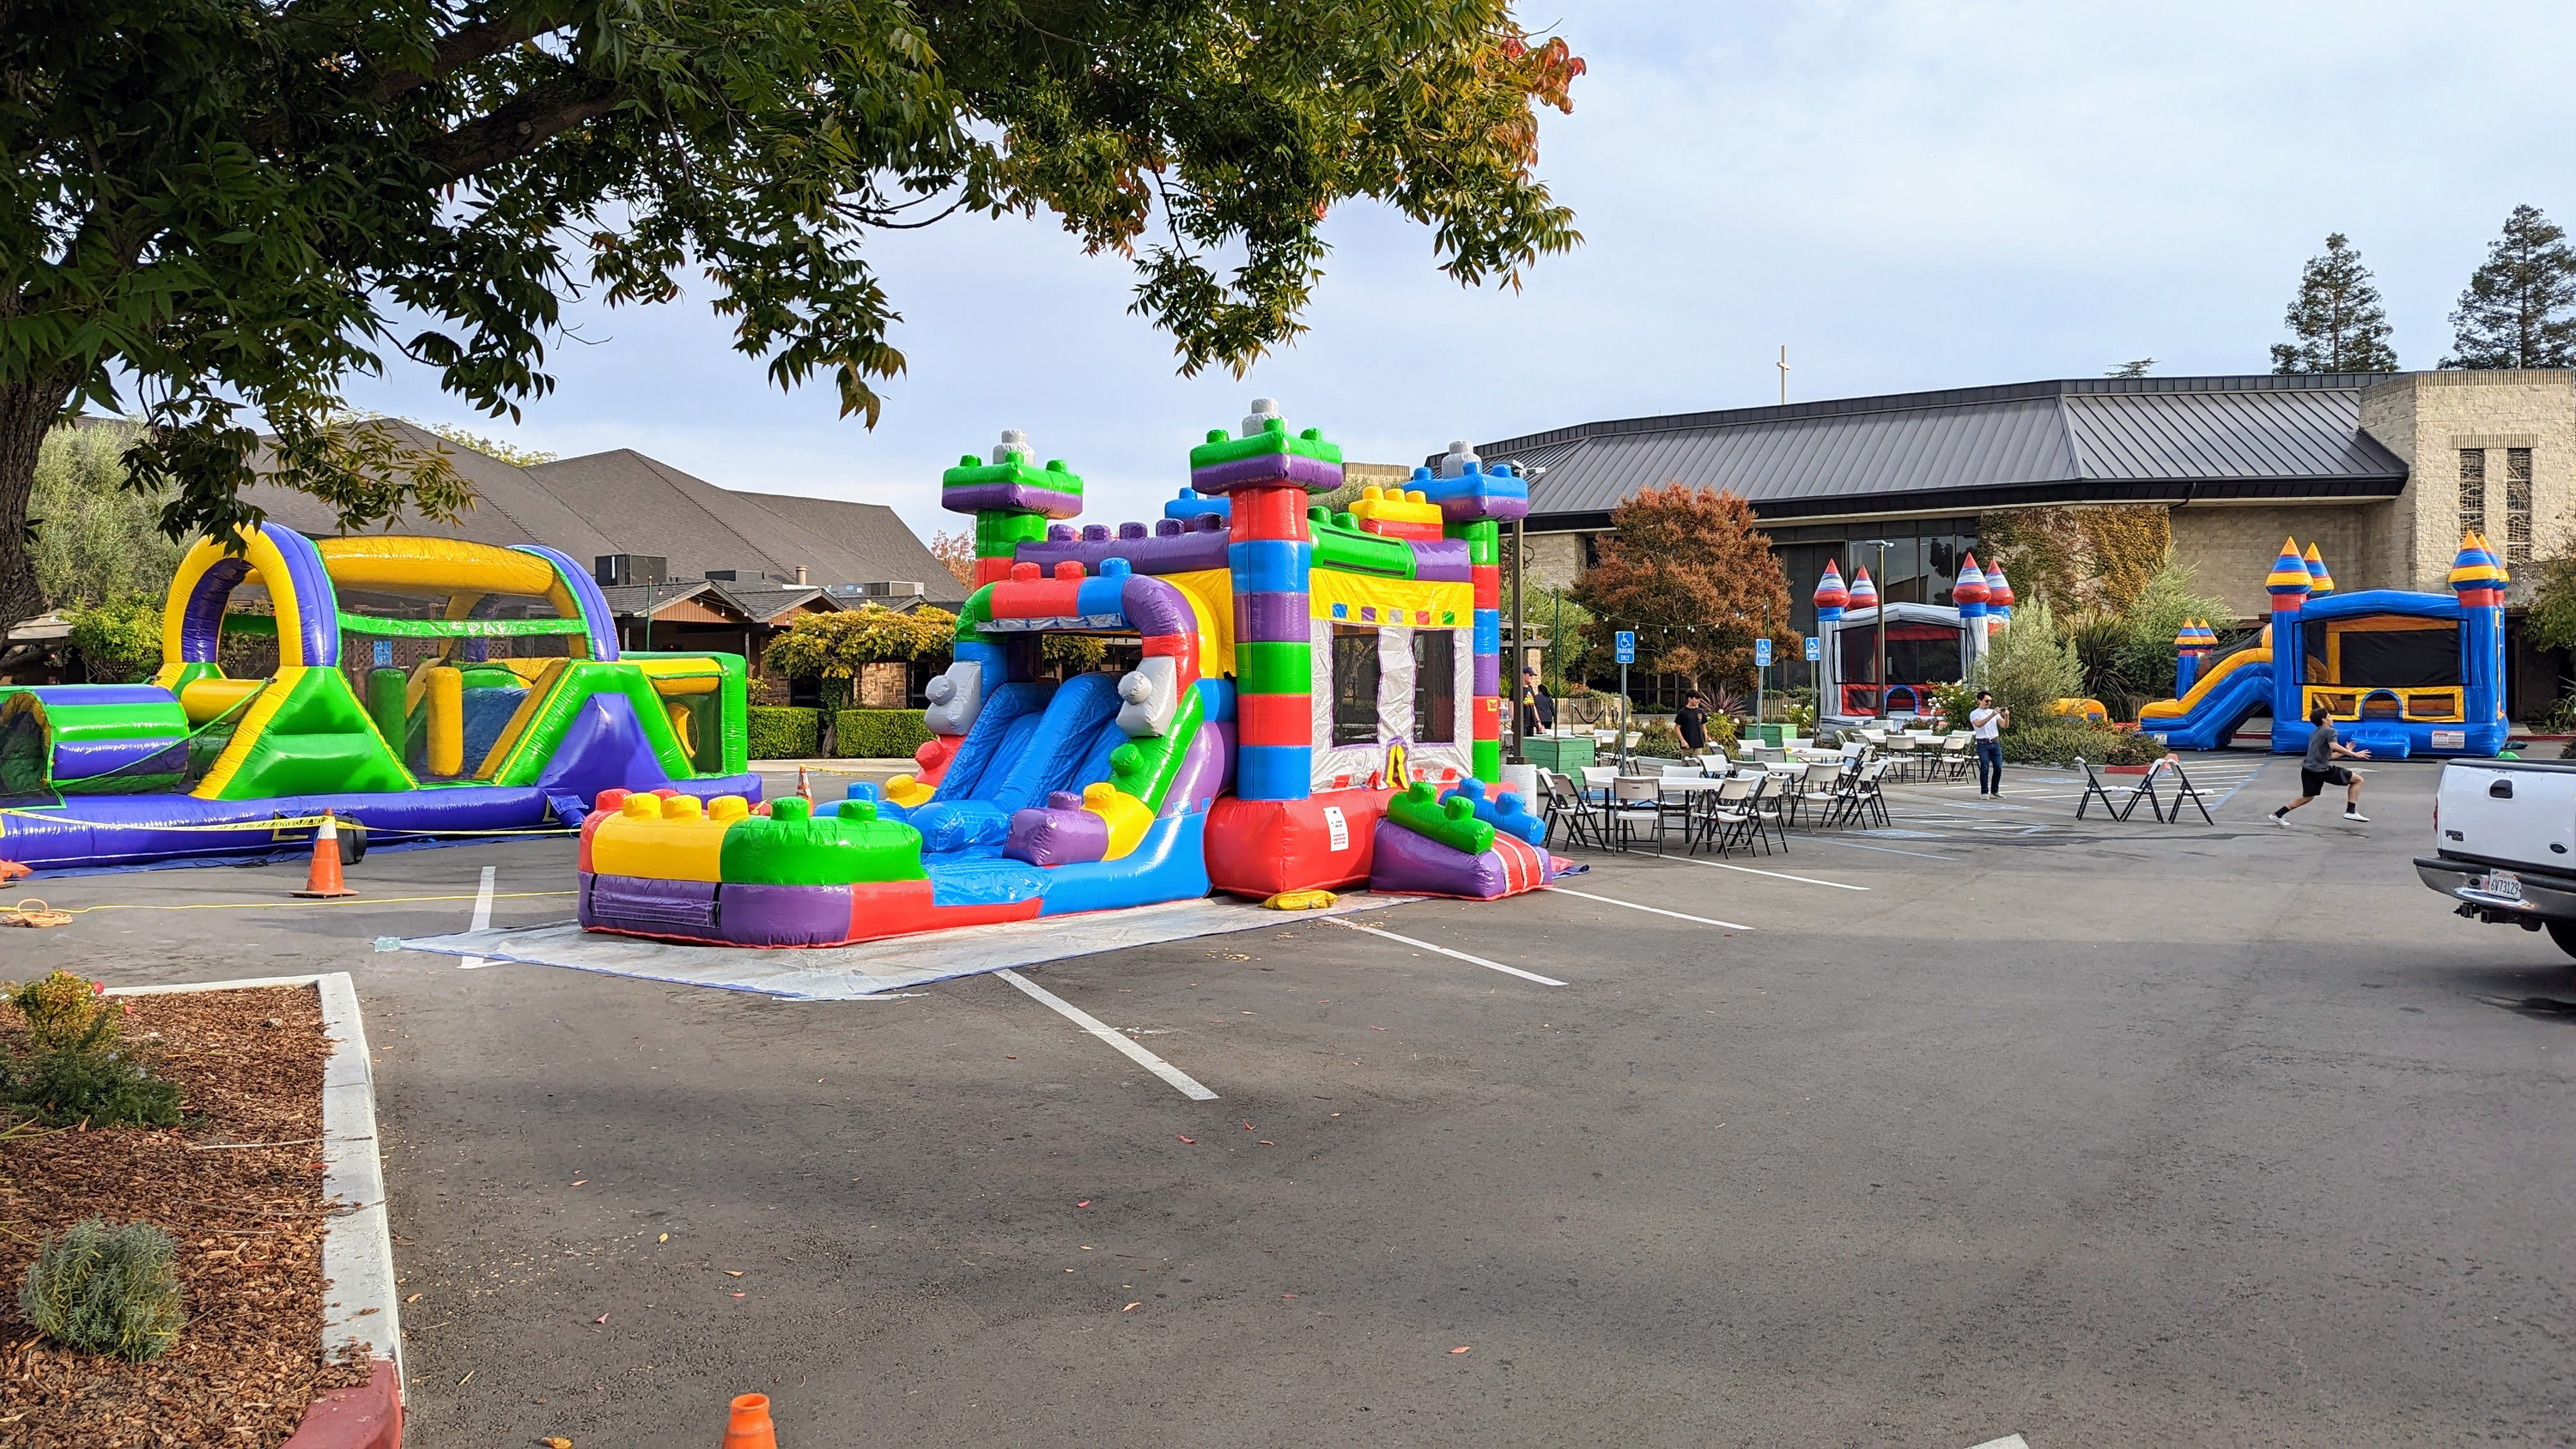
x=2504 y=842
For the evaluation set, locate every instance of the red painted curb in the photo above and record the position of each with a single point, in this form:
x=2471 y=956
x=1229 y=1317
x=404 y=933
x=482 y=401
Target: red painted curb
x=362 y=1418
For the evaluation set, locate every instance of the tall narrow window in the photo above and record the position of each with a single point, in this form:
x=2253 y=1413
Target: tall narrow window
x=2473 y=489
x=1355 y=674
x=2517 y=508
x=1435 y=687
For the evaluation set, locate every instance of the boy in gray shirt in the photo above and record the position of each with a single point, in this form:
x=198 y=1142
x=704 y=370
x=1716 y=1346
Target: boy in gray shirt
x=2318 y=770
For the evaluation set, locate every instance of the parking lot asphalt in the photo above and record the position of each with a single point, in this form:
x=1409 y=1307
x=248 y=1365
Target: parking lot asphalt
x=1991 y=1122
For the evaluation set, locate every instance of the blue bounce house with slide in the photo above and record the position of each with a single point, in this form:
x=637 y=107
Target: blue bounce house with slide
x=2401 y=673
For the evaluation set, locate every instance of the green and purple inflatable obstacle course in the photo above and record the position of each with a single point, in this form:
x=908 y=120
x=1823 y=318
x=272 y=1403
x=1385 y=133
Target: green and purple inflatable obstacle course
x=413 y=687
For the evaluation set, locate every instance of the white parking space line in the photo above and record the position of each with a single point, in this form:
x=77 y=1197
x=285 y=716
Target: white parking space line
x=1445 y=951
x=2009 y=1441
x=1658 y=910
x=1883 y=849
x=1775 y=875
x=1179 y=1079
x=482 y=920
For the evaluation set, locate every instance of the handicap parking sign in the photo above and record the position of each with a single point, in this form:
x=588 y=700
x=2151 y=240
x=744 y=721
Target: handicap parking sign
x=1627 y=646
x=1815 y=649
x=1762 y=653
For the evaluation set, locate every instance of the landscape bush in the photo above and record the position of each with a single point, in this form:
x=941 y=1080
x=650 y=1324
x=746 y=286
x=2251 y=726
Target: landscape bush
x=783 y=732
x=61 y=1009
x=106 y=1290
x=878 y=734
x=98 y=1086
x=2060 y=741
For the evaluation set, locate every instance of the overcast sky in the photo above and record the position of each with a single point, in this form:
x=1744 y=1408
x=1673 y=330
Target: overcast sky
x=1907 y=195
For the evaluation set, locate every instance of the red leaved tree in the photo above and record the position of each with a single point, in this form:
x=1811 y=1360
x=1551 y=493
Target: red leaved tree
x=1687 y=569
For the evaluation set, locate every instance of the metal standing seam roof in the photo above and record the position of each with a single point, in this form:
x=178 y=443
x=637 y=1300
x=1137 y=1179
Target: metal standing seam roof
x=2076 y=440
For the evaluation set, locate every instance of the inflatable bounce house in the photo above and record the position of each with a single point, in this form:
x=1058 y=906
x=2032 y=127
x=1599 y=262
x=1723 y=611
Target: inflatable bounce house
x=517 y=709
x=1312 y=701
x=2402 y=673
x=1927 y=644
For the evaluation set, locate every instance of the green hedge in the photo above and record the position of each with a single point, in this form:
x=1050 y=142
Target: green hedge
x=2061 y=741
x=878 y=734
x=781 y=733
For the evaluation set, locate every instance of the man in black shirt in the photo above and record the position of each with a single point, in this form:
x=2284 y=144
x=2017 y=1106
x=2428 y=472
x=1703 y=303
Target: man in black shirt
x=1693 y=723
x=2318 y=770
x=1538 y=712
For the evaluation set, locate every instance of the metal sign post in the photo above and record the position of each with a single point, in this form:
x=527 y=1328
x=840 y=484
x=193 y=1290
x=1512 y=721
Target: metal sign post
x=1627 y=643
x=1761 y=675
x=1816 y=675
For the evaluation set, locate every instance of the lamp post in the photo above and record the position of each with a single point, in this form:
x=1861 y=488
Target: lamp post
x=1878 y=674
x=1520 y=647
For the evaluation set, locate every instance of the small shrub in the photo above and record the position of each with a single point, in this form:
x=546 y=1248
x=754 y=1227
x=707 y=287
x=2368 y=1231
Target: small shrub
x=97 y=1085
x=878 y=734
x=1953 y=702
x=102 y=1289
x=2131 y=747
x=2059 y=741
x=779 y=732
x=64 y=1010
x=1662 y=741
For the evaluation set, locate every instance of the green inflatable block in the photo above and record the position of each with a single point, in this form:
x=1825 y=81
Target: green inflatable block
x=1453 y=823
x=792 y=846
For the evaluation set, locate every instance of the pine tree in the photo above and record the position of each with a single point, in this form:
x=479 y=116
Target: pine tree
x=2520 y=308
x=2337 y=317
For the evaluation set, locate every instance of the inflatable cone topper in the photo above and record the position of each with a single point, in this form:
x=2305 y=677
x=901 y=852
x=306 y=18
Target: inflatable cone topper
x=1864 y=594
x=2503 y=574
x=2319 y=581
x=2187 y=637
x=1999 y=593
x=1971 y=587
x=2475 y=575
x=1831 y=597
x=2289 y=582
x=749 y=1426
x=322 y=879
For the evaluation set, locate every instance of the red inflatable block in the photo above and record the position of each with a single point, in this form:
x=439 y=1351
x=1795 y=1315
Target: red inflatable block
x=1273 y=719
x=1268 y=513
x=1488 y=579
x=1259 y=848
x=933 y=757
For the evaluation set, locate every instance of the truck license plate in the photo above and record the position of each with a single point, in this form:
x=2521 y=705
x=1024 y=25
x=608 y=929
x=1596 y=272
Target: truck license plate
x=2502 y=884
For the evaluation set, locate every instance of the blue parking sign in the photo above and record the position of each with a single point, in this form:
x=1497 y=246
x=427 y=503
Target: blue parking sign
x=1762 y=653
x=1627 y=646
x=1815 y=649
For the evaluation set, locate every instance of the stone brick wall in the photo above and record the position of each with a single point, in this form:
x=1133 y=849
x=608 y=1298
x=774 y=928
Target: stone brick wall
x=1555 y=560
x=2230 y=549
x=2427 y=418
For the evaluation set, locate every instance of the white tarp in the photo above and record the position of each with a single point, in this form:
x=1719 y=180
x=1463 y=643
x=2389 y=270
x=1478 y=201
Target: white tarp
x=873 y=968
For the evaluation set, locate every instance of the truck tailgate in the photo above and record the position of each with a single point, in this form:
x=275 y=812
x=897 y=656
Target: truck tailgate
x=2514 y=812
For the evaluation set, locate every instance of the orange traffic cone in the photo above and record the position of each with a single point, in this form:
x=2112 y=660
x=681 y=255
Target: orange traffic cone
x=322 y=879
x=804 y=786
x=749 y=1428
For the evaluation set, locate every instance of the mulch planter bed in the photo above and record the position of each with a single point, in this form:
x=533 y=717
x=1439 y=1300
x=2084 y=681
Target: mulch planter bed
x=249 y=1222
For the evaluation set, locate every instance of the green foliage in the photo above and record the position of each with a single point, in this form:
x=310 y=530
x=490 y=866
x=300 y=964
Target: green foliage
x=120 y=638
x=2029 y=667
x=234 y=207
x=2337 y=317
x=1952 y=702
x=2520 y=306
x=2558 y=718
x=84 y=1082
x=2061 y=741
x=2146 y=657
x=1662 y=741
x=1078 y=653
x=106 y=1290
x=2551 y=586
x=61 y=1008
x=837 y=645
x=96 y=539
x=781 y=732
x=1552 y=614
x=2134 y=367
x=878 y=734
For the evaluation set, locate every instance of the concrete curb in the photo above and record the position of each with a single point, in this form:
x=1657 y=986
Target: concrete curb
x=357 y=1247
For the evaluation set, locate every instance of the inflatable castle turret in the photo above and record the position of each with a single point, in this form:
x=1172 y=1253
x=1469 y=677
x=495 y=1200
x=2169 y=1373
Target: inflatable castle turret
x=2320 y=583
x=1864 y=594
x=2289 y=584
x=1831 y=596
x=1999 y=597
x=2192 y=645
x=2478 y=577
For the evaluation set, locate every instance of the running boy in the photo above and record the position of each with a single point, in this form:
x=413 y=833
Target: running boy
x=2318 y=770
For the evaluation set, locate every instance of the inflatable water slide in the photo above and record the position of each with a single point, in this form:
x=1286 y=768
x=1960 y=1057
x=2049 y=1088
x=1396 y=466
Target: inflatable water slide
x=1313 y=702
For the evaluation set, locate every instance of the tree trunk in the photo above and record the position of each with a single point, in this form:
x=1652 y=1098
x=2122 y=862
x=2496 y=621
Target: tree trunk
x=28 y=411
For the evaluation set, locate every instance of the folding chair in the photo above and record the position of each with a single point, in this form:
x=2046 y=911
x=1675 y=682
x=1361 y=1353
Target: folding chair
x=1770 y=805
x=2116 y=809
x=1566 y=803
x=1868 y=801
x=2184 y=790
x=1728 y=819
x=1633 y=799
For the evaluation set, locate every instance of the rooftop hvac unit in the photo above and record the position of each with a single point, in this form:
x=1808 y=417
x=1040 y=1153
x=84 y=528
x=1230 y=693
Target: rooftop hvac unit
x=892 y=589
x=614 y=569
